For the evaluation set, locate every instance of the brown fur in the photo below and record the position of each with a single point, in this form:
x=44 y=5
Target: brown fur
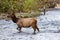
x=25 y=22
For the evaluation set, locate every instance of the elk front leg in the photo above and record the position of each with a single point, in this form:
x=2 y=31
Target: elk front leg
x=19 y=28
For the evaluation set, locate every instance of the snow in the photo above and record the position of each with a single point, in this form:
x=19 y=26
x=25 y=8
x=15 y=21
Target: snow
x=49 y=26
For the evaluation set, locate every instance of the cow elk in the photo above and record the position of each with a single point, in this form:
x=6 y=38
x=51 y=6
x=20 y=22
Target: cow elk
x=24 y=22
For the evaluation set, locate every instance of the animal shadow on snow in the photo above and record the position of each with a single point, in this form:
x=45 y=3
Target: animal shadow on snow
x=23 y=33
x=31 y=33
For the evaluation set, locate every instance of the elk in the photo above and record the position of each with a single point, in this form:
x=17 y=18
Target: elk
x=24 y=22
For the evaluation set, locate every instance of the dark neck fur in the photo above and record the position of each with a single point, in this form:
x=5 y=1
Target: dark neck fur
x=14 y=19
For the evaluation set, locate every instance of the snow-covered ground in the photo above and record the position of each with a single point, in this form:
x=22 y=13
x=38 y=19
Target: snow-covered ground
x=49 y=26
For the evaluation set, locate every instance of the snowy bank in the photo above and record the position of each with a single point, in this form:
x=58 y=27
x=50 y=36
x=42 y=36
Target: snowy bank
x=49 y=26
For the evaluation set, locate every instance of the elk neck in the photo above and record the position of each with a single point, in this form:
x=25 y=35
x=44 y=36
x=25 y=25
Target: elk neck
x=14 y=19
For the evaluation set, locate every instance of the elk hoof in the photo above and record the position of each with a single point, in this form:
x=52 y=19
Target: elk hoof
x=17 y=28
x=38 y=31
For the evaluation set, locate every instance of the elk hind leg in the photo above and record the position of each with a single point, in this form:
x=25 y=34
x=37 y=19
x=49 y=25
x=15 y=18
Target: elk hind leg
x=34 y=29
x=37 y=28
